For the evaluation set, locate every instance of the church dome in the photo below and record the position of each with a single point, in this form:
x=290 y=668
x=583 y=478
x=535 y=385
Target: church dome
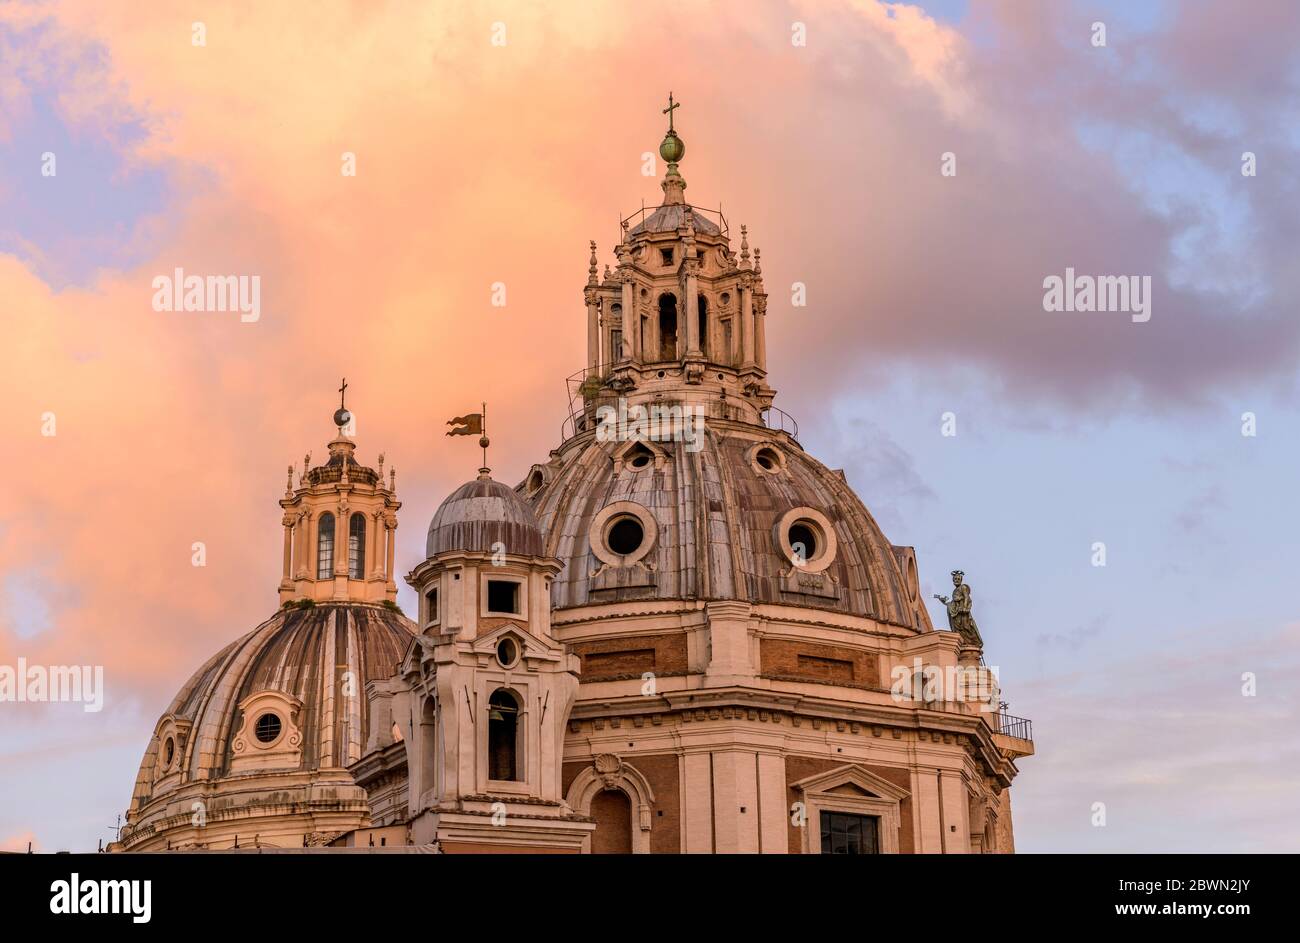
x=480 y=514
x=726 y=521
x=289 y=696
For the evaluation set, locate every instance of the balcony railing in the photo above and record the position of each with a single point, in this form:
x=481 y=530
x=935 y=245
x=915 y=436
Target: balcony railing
x=778 y=420
x=580 y=414
x=1015 y=727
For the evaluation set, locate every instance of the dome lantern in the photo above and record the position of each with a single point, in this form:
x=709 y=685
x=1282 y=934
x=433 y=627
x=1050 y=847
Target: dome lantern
x=339 y=526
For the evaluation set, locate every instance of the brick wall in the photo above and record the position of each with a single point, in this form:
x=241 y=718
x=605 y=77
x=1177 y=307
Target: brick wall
x=618 y=658
x=828 y=664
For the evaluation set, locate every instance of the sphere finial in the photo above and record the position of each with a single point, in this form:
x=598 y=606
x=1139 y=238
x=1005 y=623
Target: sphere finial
x=341 y=415
x=672 y=149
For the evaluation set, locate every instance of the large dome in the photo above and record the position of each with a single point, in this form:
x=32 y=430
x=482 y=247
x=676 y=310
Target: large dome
x=481 y=514
x=712 y=521
x=310 y=665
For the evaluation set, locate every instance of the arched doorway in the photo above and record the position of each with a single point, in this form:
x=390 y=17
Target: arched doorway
x=612 y=810
x=668 y=326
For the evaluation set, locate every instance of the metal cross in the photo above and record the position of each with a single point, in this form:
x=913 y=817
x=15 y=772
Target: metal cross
x=343 y=392
x=669 y=110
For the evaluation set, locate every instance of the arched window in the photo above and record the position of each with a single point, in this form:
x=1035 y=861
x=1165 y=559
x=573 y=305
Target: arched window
x=357 y=546
x=703 y=305
x=325 y=547
x=615 y=352
x=668 y=326
x=503 y=736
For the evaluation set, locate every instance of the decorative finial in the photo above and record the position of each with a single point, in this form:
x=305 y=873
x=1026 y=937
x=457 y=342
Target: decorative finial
x=669 y=111
x=758 y=261
x=341 y=415
x=288 y=485
x=306 y=462
x=381 y=469
x=591 y=270
x=744 y=245
x=392 y=480
x=483 y=443
x=672 y=150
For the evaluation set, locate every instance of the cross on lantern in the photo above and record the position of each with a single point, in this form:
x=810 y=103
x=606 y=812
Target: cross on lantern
x=669 y=110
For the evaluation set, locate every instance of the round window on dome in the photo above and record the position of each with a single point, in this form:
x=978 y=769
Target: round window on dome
x=625 y=536
x=803 y=541
x=806 y=538
x=267 y=728
x=507 y=652
x=767 y=459
x=622 y=534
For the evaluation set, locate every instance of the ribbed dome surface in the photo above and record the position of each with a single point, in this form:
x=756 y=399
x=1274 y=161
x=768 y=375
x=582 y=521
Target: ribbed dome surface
x=716 y=516
x=324 y=656
x=480 y=515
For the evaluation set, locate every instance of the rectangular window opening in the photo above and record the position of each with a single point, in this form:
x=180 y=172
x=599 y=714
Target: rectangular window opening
x=503 y=596
x=846 y=834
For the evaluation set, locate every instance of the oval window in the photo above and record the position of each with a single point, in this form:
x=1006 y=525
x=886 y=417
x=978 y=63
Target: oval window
x=267 y=728
x=169 y=752
x=507 y=652
x=625 y=536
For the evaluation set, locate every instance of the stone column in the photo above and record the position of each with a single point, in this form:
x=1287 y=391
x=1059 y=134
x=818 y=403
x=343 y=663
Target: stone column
x=288 y=548
x=631 y=345
x=301 y=552
x=593 y=331
x=760 y=331
x=375 y=540
x=692 y=315
x=392 y=541
x=746 y=326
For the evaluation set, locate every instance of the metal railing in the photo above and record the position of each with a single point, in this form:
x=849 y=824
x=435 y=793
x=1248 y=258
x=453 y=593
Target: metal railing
x=778 y=420
x=1015 y=727
x=715 y=216
x=580 y=411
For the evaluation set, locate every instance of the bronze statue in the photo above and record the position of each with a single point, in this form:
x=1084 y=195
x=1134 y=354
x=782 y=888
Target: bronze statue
x=960 y=619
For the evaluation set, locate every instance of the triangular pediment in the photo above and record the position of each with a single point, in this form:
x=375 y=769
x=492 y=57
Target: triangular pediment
x=639 y=452
x=851 y=780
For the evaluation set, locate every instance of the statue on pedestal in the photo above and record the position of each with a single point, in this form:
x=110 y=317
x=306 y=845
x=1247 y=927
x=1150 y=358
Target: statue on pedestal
x=960 y=619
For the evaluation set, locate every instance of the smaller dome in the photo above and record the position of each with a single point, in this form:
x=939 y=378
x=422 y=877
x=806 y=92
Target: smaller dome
x=480 y=514
x=670 y=217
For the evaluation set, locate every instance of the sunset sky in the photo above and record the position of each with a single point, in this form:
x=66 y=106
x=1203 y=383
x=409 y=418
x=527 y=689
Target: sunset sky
x=480 y=163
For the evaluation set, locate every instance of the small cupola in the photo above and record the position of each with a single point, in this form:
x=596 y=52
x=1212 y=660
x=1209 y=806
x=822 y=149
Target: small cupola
x=340 y=523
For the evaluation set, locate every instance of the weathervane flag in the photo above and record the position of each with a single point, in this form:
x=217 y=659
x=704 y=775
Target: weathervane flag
x=471 y=424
